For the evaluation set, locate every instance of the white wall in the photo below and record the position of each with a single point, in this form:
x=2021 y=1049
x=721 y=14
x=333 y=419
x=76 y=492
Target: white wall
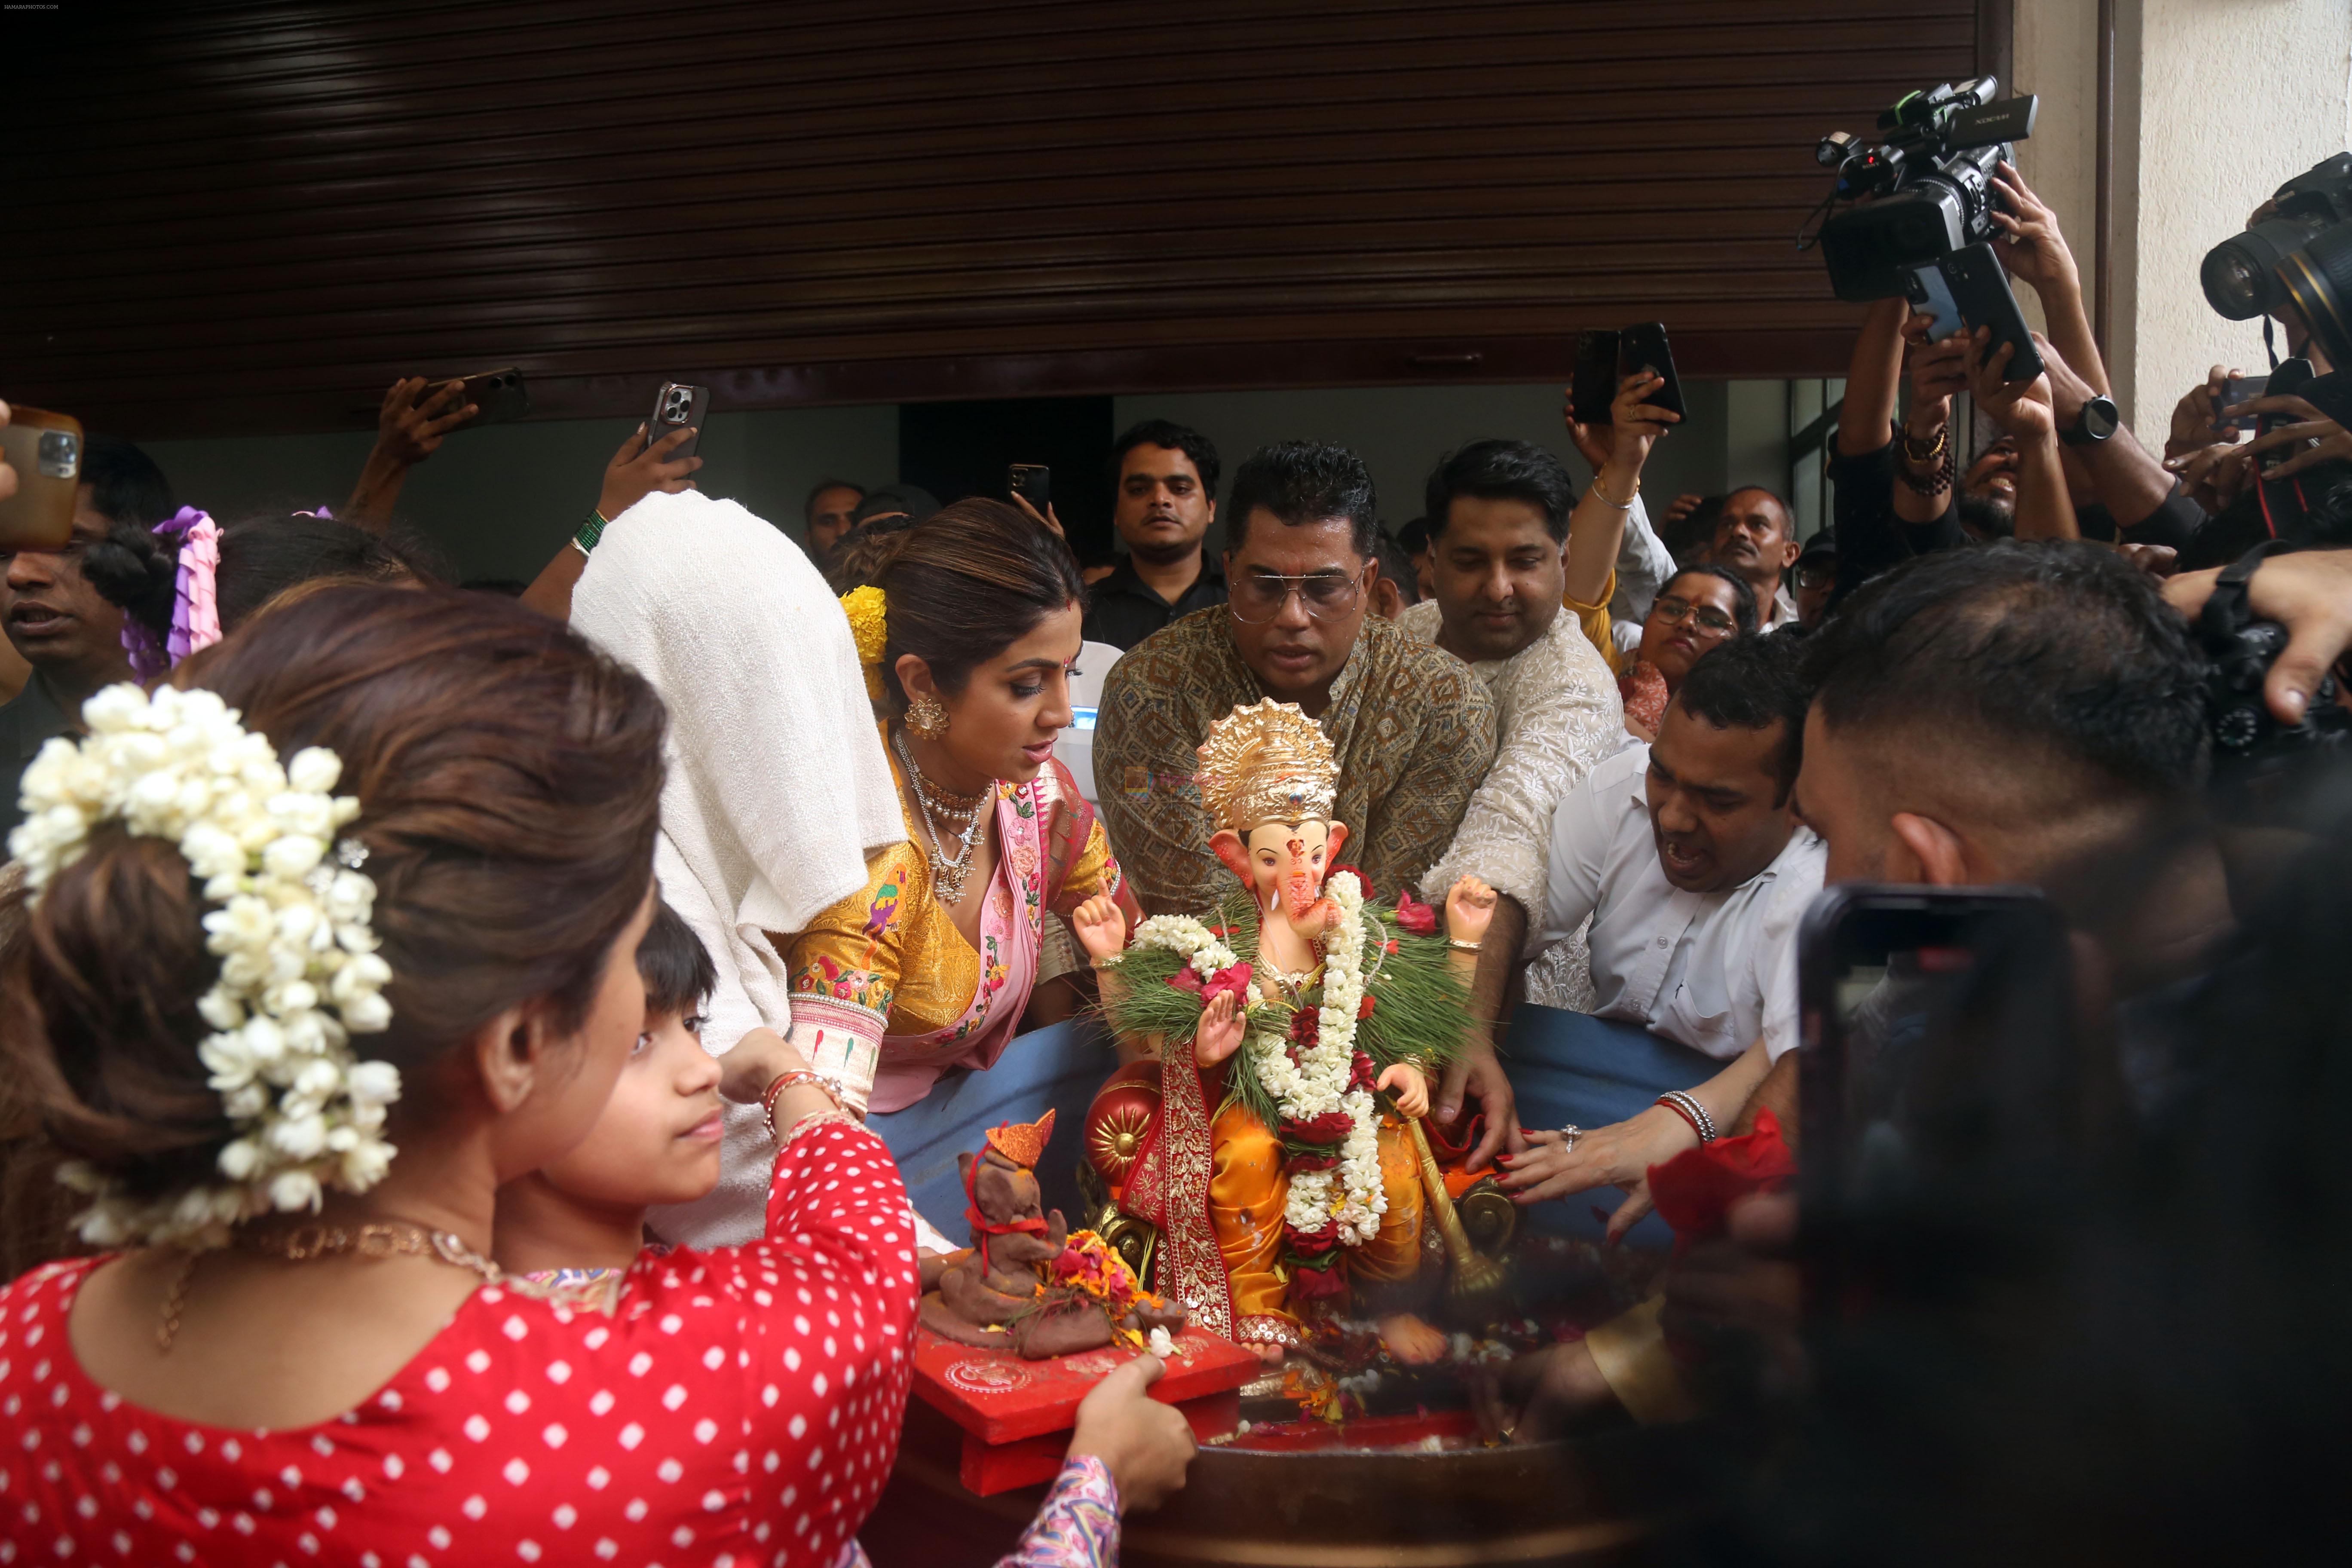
x=2232 y=96
x=503 y=499
x=2056 y=58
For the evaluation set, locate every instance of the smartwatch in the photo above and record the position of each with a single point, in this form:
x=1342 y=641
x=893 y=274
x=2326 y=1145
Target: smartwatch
x=2098 y=420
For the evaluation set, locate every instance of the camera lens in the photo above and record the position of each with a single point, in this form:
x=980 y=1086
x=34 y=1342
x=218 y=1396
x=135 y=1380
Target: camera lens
x=2235 y=284
x=2318 y=278
x=2239 y=274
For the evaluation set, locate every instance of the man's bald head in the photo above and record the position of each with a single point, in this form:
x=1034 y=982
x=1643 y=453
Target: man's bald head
x=2019 y=704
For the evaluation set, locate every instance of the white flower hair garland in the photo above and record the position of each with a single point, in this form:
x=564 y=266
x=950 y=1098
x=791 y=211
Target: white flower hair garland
x=299 y=973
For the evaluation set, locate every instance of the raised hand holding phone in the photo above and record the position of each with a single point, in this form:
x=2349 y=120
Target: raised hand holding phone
x=1635 y=422
x=1980 y=288
x=640 y=468
x=42 y=454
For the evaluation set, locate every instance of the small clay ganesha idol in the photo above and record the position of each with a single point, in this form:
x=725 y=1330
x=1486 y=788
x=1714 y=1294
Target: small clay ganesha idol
x=1299 y=1028
x=1027 y=1283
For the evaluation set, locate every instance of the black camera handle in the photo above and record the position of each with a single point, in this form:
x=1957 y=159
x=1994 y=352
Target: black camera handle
x=2230 y=609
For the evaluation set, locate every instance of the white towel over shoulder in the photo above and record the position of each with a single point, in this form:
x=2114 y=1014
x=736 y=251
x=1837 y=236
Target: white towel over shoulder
x=778 y=789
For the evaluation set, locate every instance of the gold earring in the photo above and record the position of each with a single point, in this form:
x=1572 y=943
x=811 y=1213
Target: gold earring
x=926 y=719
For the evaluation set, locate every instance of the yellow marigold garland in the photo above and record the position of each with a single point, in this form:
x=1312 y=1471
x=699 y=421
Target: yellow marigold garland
x=869 y=628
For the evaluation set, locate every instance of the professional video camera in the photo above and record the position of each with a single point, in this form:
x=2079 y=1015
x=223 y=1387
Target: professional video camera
x=2300 y=254
x=1921 y=193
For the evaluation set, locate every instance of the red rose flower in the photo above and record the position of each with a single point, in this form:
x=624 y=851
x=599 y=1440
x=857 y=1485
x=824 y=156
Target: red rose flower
x=1296 y=1164
x=1362 y=1072
x=1331 y=1127
x=1187 y=979
x=1233 y=977
x=1305 y=1027
x=1312 y=1243
x=1414 y=915
x=1364 y=1008
x=1316 y=1285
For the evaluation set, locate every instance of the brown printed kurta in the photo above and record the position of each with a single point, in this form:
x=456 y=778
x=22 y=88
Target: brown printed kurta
x=1414 y=728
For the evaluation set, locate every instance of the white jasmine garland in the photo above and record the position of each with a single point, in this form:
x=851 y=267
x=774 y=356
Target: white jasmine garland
x=1349 y=1195
x=1188 y=939
x=1316 y=1083
x=300 y=973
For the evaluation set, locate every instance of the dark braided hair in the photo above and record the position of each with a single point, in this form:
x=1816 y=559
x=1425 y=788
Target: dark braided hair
x=261 y=558
x=136 y=572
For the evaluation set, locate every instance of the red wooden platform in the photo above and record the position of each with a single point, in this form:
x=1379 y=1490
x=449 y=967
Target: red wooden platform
x=1015 y=1415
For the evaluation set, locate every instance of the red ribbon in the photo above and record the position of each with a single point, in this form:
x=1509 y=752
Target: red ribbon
x=982 y=1227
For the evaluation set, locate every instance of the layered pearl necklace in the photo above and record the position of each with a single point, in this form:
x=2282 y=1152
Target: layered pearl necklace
x=948 y=872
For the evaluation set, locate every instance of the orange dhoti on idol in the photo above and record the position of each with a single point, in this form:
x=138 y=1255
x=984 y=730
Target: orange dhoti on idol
x=1299 y=1030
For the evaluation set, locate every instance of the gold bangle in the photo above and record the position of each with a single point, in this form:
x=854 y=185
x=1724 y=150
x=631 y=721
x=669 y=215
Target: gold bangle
x=1626 y=505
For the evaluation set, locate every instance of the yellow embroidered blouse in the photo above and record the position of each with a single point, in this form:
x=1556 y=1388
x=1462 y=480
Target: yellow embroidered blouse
x=887 y=995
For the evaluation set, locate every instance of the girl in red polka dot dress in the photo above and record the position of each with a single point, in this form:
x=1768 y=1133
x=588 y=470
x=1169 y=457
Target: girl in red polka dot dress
x=579 y=1223
x=294 y=1041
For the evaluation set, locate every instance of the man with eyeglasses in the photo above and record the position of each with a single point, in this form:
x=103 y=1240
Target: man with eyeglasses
x=1413 y=727
x=1815 y=578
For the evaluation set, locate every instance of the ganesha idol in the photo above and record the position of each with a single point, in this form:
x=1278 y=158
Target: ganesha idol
x=1299 y=1030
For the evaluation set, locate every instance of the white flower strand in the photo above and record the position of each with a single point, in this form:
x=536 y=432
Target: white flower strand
x=1349 y=1195
x=300 y=973
x=1187 y=939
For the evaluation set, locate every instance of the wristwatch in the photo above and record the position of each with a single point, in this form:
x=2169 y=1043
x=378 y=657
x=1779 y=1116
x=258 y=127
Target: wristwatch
x=2098 y=420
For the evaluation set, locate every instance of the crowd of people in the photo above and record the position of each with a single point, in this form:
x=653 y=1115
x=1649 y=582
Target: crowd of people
x=457 y=1038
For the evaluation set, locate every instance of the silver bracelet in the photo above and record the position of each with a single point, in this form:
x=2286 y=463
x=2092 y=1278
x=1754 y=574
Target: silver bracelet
x=1465 y=946
x=1697 y=1113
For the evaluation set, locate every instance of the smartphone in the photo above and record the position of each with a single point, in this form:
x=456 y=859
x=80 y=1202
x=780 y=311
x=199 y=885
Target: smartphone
x=1033 y=482
x=1931 y=297
x=1938 y=1033
x=678 y=404
x=44 y=449
x=1594 y=387
x=2240 y=389
x=498 y=395
x=1643 y=347
x=1980 y=289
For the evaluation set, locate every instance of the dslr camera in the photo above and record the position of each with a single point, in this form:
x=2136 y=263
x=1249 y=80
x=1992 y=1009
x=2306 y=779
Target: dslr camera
x=1920 y=191
x=2247 y=739
x=2300 y=254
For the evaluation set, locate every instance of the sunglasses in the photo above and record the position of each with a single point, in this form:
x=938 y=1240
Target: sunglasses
x=1258 y=598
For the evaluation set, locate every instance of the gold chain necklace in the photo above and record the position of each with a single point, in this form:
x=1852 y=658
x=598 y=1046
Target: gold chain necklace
x=948 y=873
x=307 y=1243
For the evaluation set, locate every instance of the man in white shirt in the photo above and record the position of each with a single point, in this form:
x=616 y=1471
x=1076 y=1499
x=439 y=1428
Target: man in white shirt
x=1689 y=857
x=1497 y=520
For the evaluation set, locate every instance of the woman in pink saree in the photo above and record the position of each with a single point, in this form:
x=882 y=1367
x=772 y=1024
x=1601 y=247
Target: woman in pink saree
x=971 y=632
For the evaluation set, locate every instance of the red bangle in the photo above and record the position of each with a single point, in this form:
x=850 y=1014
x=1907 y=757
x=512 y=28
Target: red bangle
x=1677 y=1107
x=786 y=1080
